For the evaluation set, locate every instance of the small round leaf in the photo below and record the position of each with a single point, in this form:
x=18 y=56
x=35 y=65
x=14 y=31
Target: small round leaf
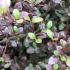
x=31 y=35
x=16 y=14
x=62 y=58
x=15 y=29
x=55 y=66
x=39 y=40
x=56 y=53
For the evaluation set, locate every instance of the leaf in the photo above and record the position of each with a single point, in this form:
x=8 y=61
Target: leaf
x=39 y=40
x=27 y=18
x=62 y=58
x=61 y=26
x=36 y=19
x=56 y=53
x=49 y=24
x=31 y=35
x=55 y=66
x=68 y=61
x=44 y=30
x=15 y=29
x=16 y=14
x=23 y=14
x=58 y=14
x=49 y=33
x=34 y=45
x=19 y=21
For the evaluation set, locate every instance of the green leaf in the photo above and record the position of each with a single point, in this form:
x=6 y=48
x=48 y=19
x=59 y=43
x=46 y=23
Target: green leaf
x=55 y=66
x=56 y=53
x=61 y=26
x=49 y=33
x=16 y=14
x=39 y=40
x=36 y=19
x=27 y=18
x=34 y=45
x=44 y=30
x=62 y=58
x=68 y=61
x=15 y=29
x=49 y=24
x=31 y=35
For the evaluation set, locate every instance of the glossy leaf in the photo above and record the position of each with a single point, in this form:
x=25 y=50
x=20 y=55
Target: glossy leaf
x=31 y=35
x=49 y=33
x=49 y=24
x=36 y=19
x=62 y=58
x=55 y=66
x=56 y=53
x=16 y=14
x=39 y=40
x=15 y=29
x=27 y=18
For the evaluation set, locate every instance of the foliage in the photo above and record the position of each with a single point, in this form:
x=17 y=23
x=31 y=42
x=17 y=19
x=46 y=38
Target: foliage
x=34 y=34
